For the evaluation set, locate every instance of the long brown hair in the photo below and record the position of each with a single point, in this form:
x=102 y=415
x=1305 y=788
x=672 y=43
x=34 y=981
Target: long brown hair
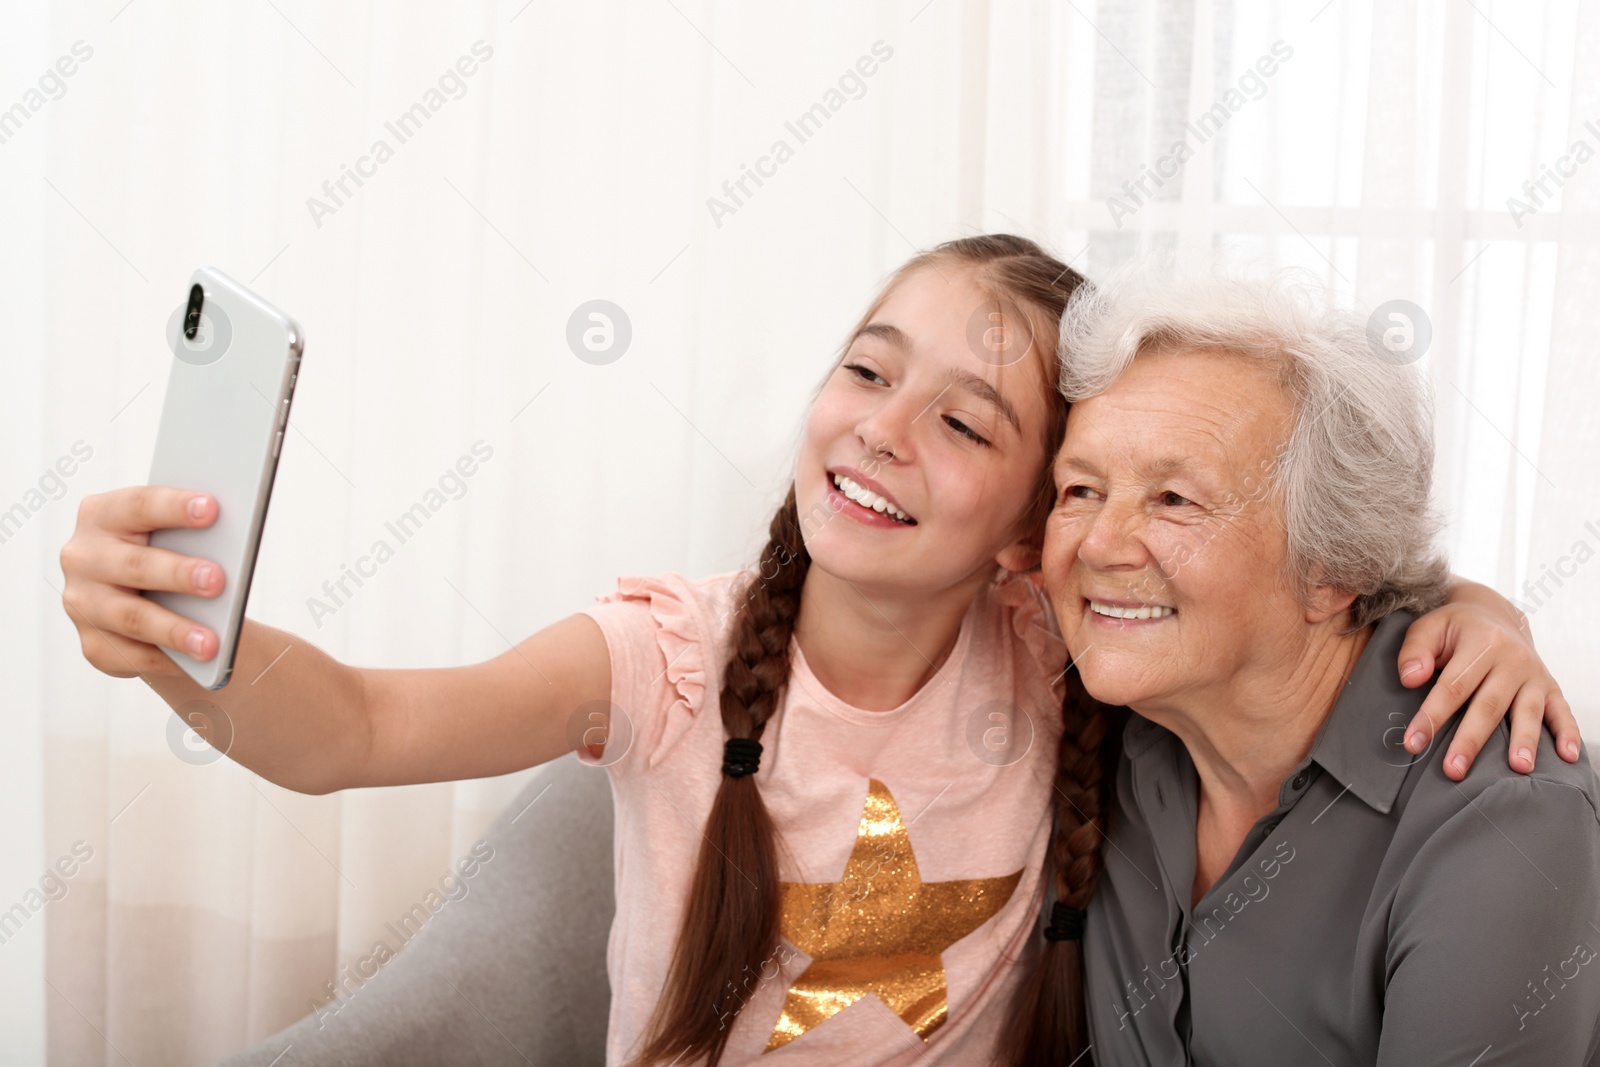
x=731 y=920
x=1048 y=1021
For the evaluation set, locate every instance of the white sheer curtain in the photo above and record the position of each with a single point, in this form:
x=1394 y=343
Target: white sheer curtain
x=207 y=907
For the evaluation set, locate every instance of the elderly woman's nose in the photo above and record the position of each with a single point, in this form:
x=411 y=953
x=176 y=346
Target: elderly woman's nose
x=1111 y=538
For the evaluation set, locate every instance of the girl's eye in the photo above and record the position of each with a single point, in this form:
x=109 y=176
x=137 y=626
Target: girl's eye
x=961 y=428
x=1173 y=500
x=866 y=374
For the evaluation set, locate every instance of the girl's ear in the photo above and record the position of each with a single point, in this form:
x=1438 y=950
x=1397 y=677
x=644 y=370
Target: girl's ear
x=1019 y=556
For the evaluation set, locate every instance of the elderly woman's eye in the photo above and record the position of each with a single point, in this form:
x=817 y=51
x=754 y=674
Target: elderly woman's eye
x=1076 y=492
x=1173 y=500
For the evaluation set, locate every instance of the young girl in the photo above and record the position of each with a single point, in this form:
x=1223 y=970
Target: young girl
x=836 y=774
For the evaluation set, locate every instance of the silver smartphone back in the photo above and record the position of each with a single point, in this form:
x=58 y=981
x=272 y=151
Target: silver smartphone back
x=235 y=359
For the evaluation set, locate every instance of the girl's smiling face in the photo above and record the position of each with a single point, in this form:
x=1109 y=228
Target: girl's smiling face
x=924 y=452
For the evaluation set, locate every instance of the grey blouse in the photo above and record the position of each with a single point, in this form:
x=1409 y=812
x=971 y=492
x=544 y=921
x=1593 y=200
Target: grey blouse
x=1380 y=914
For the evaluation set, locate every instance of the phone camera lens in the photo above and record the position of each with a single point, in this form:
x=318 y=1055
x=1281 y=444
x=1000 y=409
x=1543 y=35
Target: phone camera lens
x=191 y=317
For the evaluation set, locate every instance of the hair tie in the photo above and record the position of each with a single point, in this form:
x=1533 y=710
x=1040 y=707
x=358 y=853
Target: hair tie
x=741 y=756
x=1066 y=923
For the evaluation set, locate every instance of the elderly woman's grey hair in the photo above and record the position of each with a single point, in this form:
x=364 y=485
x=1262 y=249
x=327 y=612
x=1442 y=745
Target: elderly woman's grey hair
x=1354 y=479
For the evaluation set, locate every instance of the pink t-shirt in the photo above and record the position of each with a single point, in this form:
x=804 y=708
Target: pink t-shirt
x=913 y=840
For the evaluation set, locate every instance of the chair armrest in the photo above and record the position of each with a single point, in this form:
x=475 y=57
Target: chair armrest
x=515 y=971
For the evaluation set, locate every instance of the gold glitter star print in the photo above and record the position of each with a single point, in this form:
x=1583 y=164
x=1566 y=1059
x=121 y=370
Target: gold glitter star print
x=880 y=929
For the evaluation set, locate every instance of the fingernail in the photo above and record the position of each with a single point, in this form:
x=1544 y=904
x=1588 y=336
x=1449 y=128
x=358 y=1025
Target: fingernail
x=1414 y=742
x=1572 y=750
x=1409 y=669
x=1525 y=758
x=197 y=507
x=196 y=642
x=1459 y=765
x=202 y=576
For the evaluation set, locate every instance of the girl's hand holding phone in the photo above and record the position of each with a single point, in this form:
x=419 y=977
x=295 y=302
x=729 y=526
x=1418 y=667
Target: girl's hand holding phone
x=108 y=562
x=302 y=719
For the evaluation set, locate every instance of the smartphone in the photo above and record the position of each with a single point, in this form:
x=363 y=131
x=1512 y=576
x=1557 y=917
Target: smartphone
x=235 y=359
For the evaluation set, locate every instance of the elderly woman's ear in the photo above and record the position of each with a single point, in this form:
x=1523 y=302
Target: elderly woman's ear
x=1323 y=602
x=1482 y=647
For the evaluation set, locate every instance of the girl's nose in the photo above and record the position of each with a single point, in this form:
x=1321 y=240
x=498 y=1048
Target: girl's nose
x=886 y=433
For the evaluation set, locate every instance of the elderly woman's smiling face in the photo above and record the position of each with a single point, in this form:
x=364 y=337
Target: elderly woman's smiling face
x=1165 y=556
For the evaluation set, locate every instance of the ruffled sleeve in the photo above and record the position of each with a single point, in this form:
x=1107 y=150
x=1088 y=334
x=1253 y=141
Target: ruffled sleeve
x=661 y=632
x=1033 y=623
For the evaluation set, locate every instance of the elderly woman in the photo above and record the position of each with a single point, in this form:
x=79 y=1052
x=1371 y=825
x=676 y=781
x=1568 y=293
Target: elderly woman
x=1241 y=537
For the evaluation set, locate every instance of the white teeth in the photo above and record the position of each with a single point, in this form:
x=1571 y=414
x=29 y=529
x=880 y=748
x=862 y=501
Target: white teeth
x=867 y=498
x=1147 y=611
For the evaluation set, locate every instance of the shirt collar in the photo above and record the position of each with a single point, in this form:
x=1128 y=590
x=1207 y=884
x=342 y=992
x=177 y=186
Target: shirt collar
x=1360 y=743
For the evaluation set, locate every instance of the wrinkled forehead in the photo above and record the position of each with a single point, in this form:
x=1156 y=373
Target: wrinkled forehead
x=1203 y=411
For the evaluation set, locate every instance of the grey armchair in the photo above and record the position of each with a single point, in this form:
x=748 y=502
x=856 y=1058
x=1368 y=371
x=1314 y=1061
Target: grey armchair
x=513 y=973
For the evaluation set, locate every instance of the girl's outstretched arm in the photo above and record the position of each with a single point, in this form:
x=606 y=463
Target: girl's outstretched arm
x=294 y=714
x=1482 y=645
